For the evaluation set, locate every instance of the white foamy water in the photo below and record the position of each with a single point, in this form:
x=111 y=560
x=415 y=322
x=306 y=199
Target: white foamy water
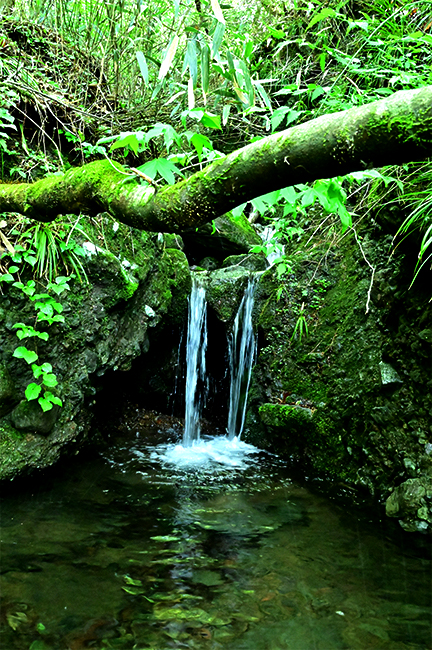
x=208 y=453
x=242 y=347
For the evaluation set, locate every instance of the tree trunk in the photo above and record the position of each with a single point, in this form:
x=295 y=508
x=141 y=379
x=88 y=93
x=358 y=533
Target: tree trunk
x=390 y=131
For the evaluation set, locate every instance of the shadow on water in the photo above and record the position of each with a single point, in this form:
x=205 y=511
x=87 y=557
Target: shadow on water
x=127 y=549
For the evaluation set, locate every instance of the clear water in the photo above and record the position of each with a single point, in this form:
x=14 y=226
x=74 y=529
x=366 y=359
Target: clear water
x=242 y=347
x=196 y=347
x=132 y=550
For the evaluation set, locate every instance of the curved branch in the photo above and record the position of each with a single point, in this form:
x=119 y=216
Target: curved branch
x=393 y=130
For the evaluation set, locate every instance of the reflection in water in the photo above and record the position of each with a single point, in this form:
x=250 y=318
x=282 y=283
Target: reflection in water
x=130 y=551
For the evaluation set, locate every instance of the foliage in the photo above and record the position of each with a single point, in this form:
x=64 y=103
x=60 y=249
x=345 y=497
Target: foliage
x=40 y=255
x=127 y=75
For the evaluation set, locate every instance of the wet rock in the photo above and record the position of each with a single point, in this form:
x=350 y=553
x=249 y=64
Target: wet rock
x=225 y=289
x=29 y=418
x=411 y=503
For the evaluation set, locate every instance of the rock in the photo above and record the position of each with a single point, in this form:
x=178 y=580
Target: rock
x=426 y=335
x=228 y=236
x=225 y=289
x=285 y=416
x=8 y=397
x=172 y=240
x=252 y=262
x=29 y=418
x=109 y=321
x=209 y=264
x=389 y=376
x=411 y=502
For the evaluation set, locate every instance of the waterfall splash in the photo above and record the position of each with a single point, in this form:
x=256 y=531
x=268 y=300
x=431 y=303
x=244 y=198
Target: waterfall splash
x=242 y=347
x=196 y=346
x=214 y=454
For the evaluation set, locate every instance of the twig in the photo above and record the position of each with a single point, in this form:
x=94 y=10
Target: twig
x=373 y=269
x=146 y=178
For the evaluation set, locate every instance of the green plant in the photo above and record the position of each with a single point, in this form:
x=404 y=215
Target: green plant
x=48 y=310
x=49 y=247
x=301 y=327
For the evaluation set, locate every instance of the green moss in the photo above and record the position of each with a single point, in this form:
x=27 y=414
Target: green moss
x=307 y=433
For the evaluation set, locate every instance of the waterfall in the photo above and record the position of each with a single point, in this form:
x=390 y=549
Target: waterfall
x=196 y=346
x=242 y=348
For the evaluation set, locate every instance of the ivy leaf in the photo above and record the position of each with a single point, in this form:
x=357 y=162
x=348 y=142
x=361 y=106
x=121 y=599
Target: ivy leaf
x=52 y=398
x=50 y=380
x=28 y=355
x=45 y=404
x=32 y=391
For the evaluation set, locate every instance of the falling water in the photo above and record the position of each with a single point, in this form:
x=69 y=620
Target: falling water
x=242 y=347
x=196 y=347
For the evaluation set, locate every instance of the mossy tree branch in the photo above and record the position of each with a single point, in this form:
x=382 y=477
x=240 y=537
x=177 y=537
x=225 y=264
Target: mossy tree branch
x=393 y=130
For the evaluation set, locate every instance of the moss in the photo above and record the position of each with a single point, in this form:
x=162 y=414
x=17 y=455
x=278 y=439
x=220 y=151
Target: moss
x=308 y=434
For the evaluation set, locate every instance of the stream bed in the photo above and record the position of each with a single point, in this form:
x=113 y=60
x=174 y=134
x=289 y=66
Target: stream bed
x=129 y=550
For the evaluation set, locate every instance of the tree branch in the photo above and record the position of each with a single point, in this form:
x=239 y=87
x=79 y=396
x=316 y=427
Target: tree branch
x=393 y=130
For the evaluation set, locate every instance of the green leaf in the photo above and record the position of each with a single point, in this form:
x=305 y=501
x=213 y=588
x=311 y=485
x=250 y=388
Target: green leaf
x=32 y=391
x=28 y=355
x=263 y=94
x=128 y=141
x=142 y=63
x=45 y=404
x=211 y=121
x=225 y=113
x=217 y=37
x=276 y=33
x=50 y=380
x=205 y=67
x=238 y=211
x=192 y=60
x=200 y=141
x=37 y=370
x=217 y=11
x=168 y=58
x=325 y=13
x=52 y=398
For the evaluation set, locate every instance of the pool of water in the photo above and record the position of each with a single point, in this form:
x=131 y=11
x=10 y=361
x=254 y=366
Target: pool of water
x=134 y=549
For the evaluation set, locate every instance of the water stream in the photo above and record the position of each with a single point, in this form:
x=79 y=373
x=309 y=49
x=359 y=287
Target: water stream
x=127 y=551
x=196 y=346
x=242 y=348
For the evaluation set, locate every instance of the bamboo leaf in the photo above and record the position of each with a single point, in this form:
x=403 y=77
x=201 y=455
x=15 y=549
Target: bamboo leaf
x=168 y=59
x=192 y=60
x=143 y=67
x=217 y=38
x=217 y=11
x=205 y=67
x=191 y=96
x=325 y=13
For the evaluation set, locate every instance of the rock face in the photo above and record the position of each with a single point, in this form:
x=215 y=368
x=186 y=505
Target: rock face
x=350 y=397
x=108 y=322
x=226 y=236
